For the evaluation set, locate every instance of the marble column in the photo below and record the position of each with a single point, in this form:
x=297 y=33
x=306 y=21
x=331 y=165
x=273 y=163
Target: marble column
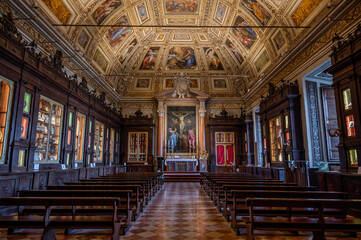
x=202 y=130
x=160 y=139
x=250 y=140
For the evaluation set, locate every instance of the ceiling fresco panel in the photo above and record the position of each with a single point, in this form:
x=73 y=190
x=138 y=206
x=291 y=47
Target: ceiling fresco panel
x=116 y=35
x=220 y=13
x=142 y=12
x=181 y=6
x=59 y=9
x=245 y=35
x=213 y=61
x=105 y=9
x=257 y=10
x=181 y=58
x=150 y=59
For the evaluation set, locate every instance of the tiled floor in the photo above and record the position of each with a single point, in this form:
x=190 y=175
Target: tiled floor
x=179 y=211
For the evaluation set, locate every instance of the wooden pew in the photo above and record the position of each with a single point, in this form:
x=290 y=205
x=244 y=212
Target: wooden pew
x=227 y=192
x=136 y=202
x=317 y=224
x=49 y=223
x=144 y=185
x=124 y=209
x=239 y=208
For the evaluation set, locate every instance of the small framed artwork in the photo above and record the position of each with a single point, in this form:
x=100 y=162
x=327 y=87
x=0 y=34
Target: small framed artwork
x=84 y=39
x=220 y=13
x=262 y=61
x=279 y=41
x=202 y=38
x=100 y=60
x=160 y=37
x=142 y=12
x=142 y=84
x=220 y=84
x=181 y=37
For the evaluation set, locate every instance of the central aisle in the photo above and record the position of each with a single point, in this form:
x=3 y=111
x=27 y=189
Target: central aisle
x=181 y=211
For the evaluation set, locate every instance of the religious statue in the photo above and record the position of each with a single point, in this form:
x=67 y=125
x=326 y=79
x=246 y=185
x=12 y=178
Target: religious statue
x=204 y=155
x=181 y=85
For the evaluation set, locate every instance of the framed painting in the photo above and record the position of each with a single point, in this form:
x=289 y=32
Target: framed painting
x=220 y=13
x=142 y=84
x=261 y=61
x=150 y=59
x=181 y=58
x=181 y=37
x=174 y=7
x=181 y=129
x=213 y=61
x=100 y=60
x=105 y=9
x=278 y=41
x=245 y=35
x=84 y=39
x=257 y=10
x=220 y=84
x=142 y=12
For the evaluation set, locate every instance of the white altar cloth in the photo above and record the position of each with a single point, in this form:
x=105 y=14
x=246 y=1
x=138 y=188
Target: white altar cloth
x=181 y=160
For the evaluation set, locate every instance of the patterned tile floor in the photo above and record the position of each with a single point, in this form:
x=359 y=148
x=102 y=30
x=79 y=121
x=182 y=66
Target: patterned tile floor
x=179 y=211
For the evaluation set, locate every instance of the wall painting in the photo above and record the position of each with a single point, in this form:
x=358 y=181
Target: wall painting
x=181 y=129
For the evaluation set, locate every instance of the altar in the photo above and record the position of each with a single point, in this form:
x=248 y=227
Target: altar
x=181 y=164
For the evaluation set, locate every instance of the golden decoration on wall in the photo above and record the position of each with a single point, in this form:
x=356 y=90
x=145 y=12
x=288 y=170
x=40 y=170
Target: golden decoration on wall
x=58 y=8
x=304 y=10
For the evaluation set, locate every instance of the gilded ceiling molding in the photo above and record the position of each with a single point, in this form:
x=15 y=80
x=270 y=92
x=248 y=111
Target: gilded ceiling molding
x=311 y=50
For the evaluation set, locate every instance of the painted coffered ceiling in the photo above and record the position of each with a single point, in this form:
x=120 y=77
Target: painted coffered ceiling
x=138 y=46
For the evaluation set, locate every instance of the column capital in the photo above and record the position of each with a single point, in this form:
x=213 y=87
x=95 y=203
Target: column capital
x=202 y=113
x=160 y=113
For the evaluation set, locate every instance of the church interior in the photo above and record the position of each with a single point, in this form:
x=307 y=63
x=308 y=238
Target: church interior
x=173 y=119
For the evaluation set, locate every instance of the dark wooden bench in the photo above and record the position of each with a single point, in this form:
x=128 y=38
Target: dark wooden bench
x=239 y=209
x=136 y=200
x=124 y=210
x=49 y=223
x=318 y=224
x=227 y=192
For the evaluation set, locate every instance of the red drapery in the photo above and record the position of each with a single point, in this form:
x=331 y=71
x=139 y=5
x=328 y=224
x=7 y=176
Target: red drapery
x=230 y=158
x=220 y=155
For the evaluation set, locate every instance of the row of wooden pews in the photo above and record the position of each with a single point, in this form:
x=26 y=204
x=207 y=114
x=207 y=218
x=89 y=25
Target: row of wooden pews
x=254 y=203
x=109 y=202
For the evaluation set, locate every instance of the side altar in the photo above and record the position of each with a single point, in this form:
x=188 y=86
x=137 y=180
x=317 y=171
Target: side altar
x=181 y=126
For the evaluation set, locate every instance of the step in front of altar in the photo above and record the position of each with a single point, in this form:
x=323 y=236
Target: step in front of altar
x=182 y=177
